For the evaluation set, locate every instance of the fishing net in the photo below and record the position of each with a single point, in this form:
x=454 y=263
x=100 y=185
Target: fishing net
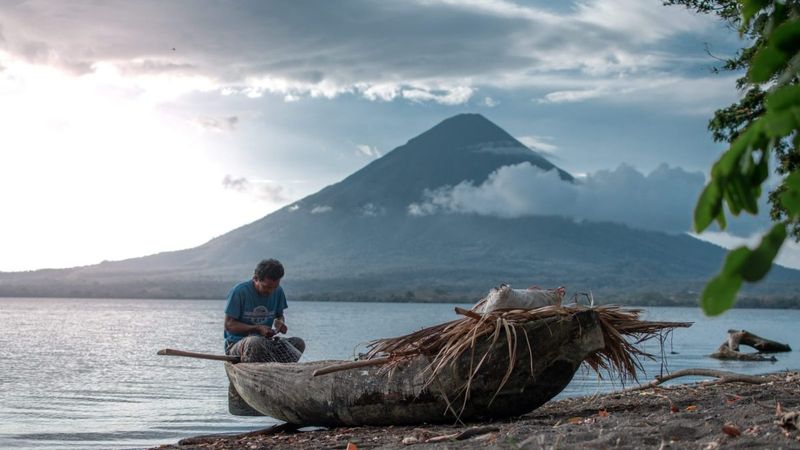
x=262 y=349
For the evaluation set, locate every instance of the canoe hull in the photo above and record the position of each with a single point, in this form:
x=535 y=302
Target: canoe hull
x=375 y=396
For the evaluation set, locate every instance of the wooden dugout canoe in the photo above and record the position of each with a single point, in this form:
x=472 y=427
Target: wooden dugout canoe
x=376 y=396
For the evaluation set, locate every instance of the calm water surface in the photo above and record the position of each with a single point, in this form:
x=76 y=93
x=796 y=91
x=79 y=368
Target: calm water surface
x=80 y=373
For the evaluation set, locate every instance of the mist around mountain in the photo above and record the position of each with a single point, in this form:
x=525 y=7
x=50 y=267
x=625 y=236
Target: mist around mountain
x=362 y=239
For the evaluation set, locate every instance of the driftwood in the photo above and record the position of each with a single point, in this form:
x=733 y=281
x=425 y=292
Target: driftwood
x=720 y=375
x=209 y=438
x=730 y=348
x=744 y=337
x=466 y=434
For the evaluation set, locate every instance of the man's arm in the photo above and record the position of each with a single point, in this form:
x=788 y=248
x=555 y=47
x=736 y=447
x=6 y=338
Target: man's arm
x=234 y=326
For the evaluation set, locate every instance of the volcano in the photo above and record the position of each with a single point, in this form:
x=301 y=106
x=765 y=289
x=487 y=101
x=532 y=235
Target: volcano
x=357 y=240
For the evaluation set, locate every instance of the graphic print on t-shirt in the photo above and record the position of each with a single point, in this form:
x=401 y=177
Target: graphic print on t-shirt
x=260 y=315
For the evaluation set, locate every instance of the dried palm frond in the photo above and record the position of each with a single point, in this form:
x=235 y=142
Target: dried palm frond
x=622 y=331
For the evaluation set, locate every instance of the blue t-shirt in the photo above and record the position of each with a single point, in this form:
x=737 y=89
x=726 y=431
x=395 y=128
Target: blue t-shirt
x=246 y=305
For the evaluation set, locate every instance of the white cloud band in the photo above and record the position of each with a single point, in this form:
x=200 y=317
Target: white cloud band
x=662 y=200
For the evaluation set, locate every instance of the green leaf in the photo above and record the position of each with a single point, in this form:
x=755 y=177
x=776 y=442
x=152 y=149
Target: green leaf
x=759 y=261
x=779 y=123
x=739 y=194
x=750 y=8
x=796 y=111
x=734 y=261
x=765 y=63
x=721 y=220
x=790 y=199
x=760 y=172
x=719 y=294
x=708 y=207
x=732 y=199
x=783 y=98
x=786 y=37
x=730 y=160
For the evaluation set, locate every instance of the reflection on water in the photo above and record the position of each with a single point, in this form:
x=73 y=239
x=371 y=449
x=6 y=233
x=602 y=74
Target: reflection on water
x=84 y=373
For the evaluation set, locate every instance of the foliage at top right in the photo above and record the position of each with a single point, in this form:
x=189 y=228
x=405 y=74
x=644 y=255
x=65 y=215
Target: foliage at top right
x=763 y=126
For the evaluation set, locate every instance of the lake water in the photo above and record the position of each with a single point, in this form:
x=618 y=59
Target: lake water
x=83 y=373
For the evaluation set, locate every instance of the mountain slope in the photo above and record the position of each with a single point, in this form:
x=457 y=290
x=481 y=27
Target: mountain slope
x=464 y=147
x=356 y=240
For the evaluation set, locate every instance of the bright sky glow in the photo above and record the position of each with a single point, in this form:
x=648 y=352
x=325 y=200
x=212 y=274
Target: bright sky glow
x=92 y=170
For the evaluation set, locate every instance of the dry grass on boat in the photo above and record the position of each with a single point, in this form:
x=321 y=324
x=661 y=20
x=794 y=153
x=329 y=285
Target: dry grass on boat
x=622 y=331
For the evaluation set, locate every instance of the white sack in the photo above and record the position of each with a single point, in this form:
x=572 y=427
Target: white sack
x=505 y=297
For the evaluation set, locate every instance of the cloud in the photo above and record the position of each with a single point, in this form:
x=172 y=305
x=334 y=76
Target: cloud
x=420 y=51
x=236 y=184
x=321 y=209
x=218 y=124
x=788 y=256
x=155 y=66
x=541 y=143
x=271 y=192
x=490 y=102
x=662 y=200
x=509 y=192
x=638 y=18
x=372 y=210
x=369 y=151
x=572 y=96
x=691 y=96
x=382 y=91
x=455 y=95
x=265 y=190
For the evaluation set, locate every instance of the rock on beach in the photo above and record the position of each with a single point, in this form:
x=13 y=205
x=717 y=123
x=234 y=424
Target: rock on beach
x=703 y=415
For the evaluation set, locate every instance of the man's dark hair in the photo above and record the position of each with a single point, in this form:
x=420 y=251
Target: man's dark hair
x=269 y=268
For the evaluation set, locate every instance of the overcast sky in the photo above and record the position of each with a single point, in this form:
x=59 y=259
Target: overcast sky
x=133 y=127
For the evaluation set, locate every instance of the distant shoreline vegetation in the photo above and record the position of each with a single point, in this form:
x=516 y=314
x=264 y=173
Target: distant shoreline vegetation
x=766 y=300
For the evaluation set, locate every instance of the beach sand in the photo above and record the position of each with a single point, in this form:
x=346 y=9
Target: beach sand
x=687 y=416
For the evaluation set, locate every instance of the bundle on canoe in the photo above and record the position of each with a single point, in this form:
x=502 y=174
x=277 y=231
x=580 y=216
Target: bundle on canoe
x=496 y=364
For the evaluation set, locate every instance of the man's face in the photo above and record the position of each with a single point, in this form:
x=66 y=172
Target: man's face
x=266 y=286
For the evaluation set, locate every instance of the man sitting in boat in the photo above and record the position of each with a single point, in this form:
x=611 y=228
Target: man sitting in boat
x=254 y=316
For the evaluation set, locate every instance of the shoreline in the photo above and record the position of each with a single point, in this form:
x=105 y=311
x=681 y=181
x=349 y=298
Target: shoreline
x=745 y=304
x=700 y=415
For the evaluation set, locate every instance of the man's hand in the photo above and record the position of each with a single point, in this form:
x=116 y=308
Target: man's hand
x=280 y=327
x=264 y=330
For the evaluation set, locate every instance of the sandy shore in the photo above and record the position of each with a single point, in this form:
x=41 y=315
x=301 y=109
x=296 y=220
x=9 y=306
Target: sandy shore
x=694 y=416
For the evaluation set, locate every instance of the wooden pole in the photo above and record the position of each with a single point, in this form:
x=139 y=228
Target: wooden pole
x=350 y=365
x=173 y=352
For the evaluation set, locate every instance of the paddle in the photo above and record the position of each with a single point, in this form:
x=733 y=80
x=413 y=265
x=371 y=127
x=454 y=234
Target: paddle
x=235 y=359
x=173 y=352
